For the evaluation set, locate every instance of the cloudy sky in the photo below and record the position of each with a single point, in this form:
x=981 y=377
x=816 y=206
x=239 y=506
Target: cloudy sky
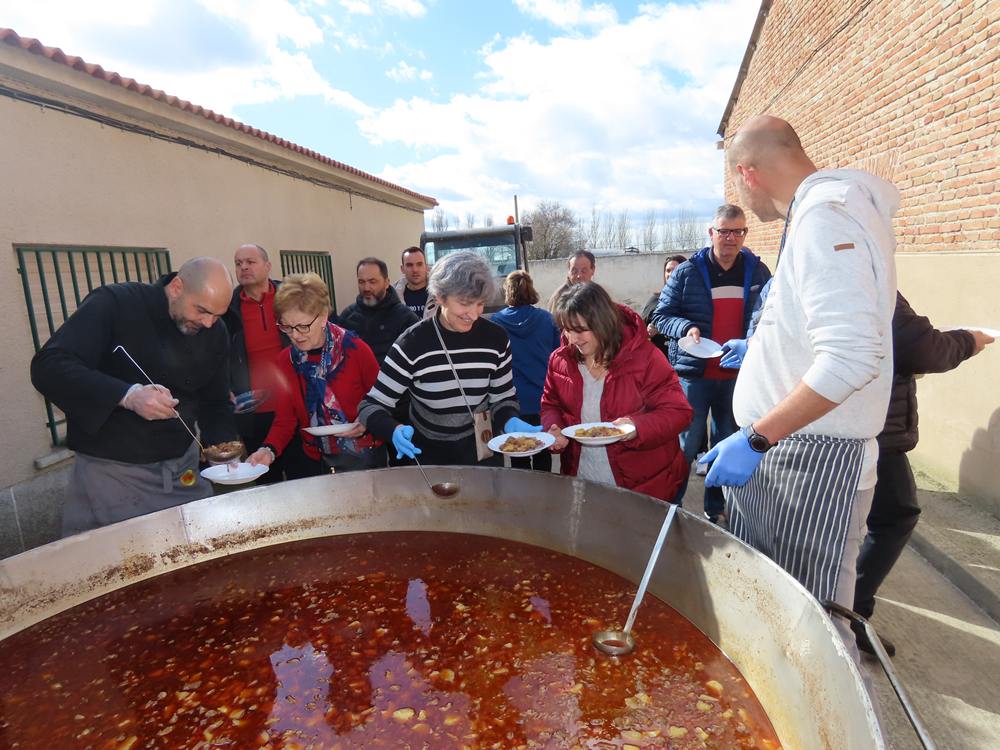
x=611 y=105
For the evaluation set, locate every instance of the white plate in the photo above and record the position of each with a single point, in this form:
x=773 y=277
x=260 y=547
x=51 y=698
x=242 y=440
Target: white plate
x=546 y=438
x=241 y=474
x=330 y=429
x=704 y=349
x=988 y=331
x=570 y=432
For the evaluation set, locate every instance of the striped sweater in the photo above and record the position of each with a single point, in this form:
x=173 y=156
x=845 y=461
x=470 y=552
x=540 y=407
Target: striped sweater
x=417 y=365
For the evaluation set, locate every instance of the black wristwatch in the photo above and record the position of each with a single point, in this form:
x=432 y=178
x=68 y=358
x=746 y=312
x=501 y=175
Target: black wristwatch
x=757 y=441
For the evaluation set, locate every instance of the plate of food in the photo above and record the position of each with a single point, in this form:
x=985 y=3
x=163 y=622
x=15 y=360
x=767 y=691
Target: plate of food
x=224 y=453
x=520 y=444
x=330 y=429
x=597 y=433
x=240 y=473
x=704 y=349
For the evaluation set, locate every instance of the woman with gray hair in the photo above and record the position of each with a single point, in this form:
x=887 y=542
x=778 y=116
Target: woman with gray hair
x=456 y=368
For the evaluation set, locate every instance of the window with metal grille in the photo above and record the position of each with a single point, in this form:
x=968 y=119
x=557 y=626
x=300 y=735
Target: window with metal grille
x=56 y=279
x=307 y=261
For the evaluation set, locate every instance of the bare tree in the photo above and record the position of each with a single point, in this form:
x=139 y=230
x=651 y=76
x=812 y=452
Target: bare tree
x=649 y=231
x=666 y=234
x=554 y=229
x=488 y=220
x=607 y=231
x=470 y=220
x=690 y=231
x=623 y=230
x=591 y=232
x=439 y=220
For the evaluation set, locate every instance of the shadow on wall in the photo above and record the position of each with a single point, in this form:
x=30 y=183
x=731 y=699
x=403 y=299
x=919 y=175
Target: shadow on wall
x=979 y=473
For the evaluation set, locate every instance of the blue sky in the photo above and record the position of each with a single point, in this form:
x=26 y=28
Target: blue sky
x=612 y=105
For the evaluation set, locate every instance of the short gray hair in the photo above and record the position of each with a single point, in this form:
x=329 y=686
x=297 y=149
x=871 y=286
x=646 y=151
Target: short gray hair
x=728 y=212
x=465 y=274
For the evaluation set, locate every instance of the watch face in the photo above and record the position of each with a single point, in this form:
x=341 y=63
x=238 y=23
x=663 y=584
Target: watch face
x=759 y=443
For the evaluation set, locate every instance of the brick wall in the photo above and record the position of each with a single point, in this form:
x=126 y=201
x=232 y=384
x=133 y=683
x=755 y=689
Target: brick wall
x=904 y=88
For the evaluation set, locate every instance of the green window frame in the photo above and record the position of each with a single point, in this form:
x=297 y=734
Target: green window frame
x=55 y=280
x=309 y=261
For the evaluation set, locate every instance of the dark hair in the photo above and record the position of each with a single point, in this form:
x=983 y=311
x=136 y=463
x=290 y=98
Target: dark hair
x=728 y=212
x=590 y=303
x=373 y=262
x=413 y=249
x=672 y=258
x=519 y=289
x=583 y=254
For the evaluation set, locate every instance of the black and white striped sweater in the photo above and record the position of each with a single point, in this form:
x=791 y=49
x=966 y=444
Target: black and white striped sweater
x=416 y=364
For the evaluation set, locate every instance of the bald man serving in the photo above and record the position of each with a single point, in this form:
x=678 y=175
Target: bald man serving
x=814 y=385
x=133 y=456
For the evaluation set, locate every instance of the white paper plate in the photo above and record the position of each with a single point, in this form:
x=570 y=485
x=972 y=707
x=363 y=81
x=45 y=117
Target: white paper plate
x=570 y=432
x=704 y=349
x=330 y=429
x=241 y=474
x=546 y=438
x=995 y=333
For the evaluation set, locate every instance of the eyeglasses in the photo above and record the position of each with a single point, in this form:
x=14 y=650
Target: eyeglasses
x=301 y=328
x=740 y=233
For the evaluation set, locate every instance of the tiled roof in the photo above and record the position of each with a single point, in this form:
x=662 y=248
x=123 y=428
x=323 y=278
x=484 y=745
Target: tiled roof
x=9 y=36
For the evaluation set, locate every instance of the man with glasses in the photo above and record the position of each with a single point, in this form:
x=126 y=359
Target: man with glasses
x=712 y=295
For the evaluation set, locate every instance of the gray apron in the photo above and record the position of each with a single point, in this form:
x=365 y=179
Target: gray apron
x=103 y=492
x=796 y=508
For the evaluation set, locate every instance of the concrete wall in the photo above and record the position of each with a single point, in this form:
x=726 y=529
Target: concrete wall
x=72 y=181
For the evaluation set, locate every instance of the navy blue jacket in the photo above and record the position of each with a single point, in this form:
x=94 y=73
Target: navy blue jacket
x=686 y=303
x=533 y=337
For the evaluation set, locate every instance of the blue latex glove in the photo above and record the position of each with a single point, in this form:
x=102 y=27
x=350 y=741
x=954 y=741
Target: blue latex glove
x=735 y=461
x=516 y=424
x=735 y=350
x=402 y=441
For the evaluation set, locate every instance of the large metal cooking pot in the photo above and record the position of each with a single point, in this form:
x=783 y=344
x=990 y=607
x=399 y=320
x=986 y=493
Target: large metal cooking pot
x=773 y=630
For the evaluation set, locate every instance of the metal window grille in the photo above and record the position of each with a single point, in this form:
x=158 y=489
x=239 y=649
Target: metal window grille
x=306 y=261
x=56 y=279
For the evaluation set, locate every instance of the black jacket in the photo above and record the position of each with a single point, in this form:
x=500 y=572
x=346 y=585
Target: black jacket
x=917 y=348
x=239 y=365
x=79 y=371
x=380 y=325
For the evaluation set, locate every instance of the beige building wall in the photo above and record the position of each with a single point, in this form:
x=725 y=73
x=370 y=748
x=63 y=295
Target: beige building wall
x=72 y=181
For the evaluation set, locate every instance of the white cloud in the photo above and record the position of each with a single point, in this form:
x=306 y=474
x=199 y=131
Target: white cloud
x=403 y=71
x=360 y=7
x=412 y=8
x=569 y=13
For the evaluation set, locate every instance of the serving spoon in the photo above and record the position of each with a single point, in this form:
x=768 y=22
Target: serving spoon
x=621 y=642
x=441 y=489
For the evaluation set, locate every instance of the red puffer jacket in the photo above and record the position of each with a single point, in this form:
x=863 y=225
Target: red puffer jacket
x=640 y=384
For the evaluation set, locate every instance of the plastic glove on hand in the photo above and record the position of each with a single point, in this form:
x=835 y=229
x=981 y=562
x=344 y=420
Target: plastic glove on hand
x=402 y=441
x=516 y=424
x=734 y=351
x=735 y=462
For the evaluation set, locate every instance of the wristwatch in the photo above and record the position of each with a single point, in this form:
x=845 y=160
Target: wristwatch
x=757 y=441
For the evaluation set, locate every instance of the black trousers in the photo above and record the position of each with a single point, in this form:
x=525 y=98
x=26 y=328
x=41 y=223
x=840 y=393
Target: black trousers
x=891 y=521
x=540 y=461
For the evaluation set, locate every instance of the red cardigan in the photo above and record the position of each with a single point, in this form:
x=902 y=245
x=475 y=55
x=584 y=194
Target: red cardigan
x=356 y=376
x=640 y=384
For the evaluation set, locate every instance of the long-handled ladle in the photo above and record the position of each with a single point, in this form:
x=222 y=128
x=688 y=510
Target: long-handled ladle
x=441 y=489
x=621 y=642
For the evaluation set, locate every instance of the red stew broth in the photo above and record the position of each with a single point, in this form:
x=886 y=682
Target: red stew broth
x=389 y=640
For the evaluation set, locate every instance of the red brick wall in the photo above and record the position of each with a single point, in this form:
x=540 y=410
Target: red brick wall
x=904 y=88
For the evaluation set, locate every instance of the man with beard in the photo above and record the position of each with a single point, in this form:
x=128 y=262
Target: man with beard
x=133 y=455
x=377 y=316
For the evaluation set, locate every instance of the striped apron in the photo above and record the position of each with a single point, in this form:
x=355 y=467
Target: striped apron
x=796 y=508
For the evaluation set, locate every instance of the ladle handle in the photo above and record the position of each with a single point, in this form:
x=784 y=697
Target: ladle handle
x=647 y=574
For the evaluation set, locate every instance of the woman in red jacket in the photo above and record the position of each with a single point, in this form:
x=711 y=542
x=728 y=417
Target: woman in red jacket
x=321 y=379
x=610 y=372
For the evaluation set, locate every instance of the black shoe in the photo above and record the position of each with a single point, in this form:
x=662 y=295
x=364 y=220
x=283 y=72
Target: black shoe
x=865 y=644
x=710 y=518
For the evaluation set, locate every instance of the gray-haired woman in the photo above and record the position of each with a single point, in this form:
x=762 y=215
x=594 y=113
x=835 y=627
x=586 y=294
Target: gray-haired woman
x=456 y=368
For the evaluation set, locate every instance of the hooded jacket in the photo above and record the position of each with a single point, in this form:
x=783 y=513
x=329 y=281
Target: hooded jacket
x=639 y=384
x=379 y=325
x=686 y=302
x=533 y=338
x=429 y=308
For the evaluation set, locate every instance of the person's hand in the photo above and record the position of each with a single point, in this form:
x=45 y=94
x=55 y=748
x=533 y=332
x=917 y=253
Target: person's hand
x=982 y=340
x=151 y=402
x=734 y=351
x=516 y=424
x=402 y=441
x=695 y=333
x=735 y=461
x=651 y=330
x=261 y=457
x=561 y=440
x=357 y=431
x=623 y=421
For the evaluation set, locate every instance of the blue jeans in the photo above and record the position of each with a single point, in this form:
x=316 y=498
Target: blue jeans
x=715 y=398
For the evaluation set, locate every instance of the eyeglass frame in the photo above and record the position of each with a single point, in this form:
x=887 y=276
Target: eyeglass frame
x=300 y=328
x=734 y=233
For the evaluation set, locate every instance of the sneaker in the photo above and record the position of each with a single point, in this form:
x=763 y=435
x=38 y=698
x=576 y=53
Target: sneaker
x=865 y=644
x=699 y=468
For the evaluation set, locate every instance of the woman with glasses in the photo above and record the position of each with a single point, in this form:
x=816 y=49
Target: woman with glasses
x=608 y=371
x=321 y=379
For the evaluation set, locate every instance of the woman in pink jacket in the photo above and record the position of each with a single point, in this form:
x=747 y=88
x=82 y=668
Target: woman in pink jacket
x=610 y=372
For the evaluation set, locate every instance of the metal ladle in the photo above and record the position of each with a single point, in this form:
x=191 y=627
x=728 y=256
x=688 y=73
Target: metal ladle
x=441 y=489
x=621 y=642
